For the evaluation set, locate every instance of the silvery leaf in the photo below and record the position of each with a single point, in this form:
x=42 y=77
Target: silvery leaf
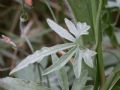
x=83 y=28
x=72 y=28
x=79 y=83
x=62 y=61
x=60 y=30
x=88 y=54
x=62 y=74
x=40 y=54
x=77 y=64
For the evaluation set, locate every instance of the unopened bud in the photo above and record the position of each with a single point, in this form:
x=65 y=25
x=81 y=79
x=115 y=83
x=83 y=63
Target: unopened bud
x=28 y=2
x=7 y=40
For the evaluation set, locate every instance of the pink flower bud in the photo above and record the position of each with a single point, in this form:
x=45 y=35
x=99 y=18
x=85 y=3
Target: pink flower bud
x=28 y=2
x=7 y=40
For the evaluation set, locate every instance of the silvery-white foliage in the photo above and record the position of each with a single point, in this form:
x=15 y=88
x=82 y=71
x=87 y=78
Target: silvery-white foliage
x=39 y=55
x=85 y=55
x=75 y=31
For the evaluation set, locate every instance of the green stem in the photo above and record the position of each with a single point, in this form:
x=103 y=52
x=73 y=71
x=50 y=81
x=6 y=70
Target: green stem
x=32 y=50
x=47 y=78
x=117 y=18
x=23 y=7
x=51 y=11
x=94 y=14
x=70 y=10
x=100 y=76
x=100 y=62
x=100 y=65
x=29 y=44
x=39 y=72
x=35 y=64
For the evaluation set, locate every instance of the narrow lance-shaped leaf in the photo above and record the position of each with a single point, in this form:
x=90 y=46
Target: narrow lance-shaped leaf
x=83 y=28
x=79 y=84
x=40 y=54
x=88 y=54
x=77 y=63
x=72 y=28
x=62 y=74
x=62 y=61
x=60 y=30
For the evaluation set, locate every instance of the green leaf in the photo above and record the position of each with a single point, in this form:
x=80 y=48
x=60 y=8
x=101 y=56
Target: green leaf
x=19 y=84
x=62 y=74
x=80 y=83
x=62 y=61
x=40 y=54
x=81 y=9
